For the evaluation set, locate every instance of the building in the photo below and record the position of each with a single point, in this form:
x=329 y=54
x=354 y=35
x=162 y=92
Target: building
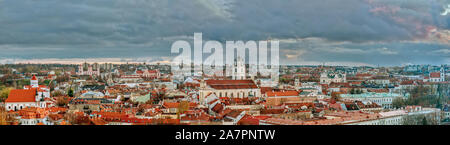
x=19 y=99
x=86 y=69
x=238 y=69
x=229 y=88
x=411 y=115
x=42 y=90
x=149 y=74
x=33 y=116
x=446 y=111
x=383 y=99
x=328 y=77
x=33 y=95
x=437 y=76
x=281 y=97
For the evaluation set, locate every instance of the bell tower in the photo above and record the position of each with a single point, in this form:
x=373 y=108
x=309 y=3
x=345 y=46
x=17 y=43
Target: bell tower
x=34 y=82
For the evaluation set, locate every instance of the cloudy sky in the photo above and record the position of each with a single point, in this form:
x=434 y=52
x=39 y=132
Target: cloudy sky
x=335 y=32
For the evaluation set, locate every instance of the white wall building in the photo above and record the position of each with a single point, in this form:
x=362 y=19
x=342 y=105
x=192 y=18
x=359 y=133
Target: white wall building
x=229 y=88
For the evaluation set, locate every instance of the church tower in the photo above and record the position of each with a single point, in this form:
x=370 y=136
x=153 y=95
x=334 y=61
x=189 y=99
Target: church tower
x=297 y=82
x=34 y=82
x=239 y=69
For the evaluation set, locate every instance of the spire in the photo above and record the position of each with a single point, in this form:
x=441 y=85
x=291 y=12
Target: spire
x=34 y=77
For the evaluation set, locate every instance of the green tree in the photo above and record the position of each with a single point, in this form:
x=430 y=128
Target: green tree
x=398 y=102
x=4 y=93
x=70 y=93
x=352 y=91
x=358 y=91
x=424 y=121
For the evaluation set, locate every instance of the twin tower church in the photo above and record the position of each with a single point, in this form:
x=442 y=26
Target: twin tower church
x=33 y=95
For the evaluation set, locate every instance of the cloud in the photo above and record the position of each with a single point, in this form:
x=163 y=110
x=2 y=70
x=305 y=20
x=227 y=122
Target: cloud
x=442 y=51
x=312 y=30
x=446 y=10
x=386 y=51
x=385 y=54
x=291 y=54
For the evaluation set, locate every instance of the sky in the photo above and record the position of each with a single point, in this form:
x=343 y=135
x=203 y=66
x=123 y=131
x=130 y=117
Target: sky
x=334 y=32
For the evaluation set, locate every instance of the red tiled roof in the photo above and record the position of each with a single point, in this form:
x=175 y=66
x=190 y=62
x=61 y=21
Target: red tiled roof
x=231 y=84
x=408 y=82
x=363 y=75
x=234 y=113
x=171 y=104
x=272 y=111
x=149 y=71
x=261 y=117
x=98 y=121
x=435 y=75
x=218 y=108
x=248 y=120
x=283 y=93
x=33 y=78
x=22 y=95
x=265 y=89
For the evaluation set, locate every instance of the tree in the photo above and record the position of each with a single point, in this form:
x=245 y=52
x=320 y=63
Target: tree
x=3 y=116
x=70 y=93
x=57 y=93
x=358 y=91
x=4 y=93
x=62 y=101
x=182 y=107
x=46 y=82
x=335 y=96
x=352 y=91
x=424 y=121
x=398 y=102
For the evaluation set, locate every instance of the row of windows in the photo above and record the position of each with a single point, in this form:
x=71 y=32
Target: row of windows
x=237 y=95
x=20 y=107
x=383 y=100
x=31 y=122
x=387 y=122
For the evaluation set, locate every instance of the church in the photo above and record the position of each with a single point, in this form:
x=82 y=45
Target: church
x=90 y=70
x=33 y=95
x=228 y=88
x=331 y=77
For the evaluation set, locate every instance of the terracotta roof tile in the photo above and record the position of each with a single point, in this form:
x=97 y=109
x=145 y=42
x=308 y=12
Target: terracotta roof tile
x=231 y=84
x=21 y=95
x=282 y=93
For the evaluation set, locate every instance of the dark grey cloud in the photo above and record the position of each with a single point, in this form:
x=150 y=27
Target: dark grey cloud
x=140 y=28
x=320 y=51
